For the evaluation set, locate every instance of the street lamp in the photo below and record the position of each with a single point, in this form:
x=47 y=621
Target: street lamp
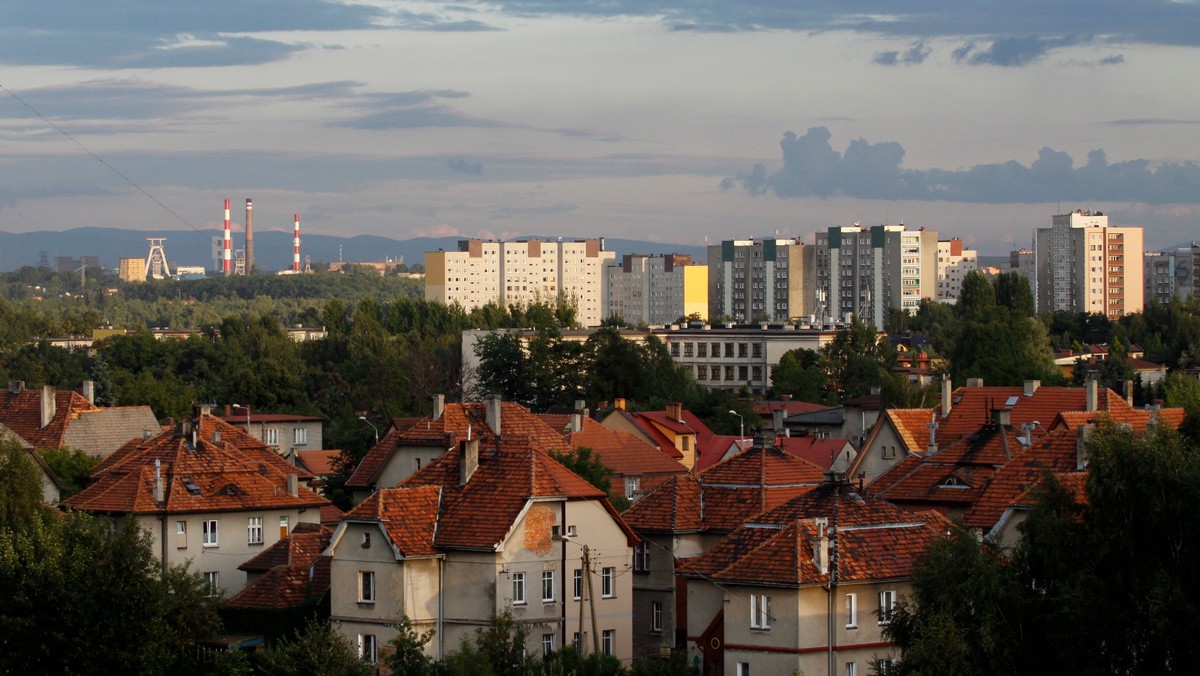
x=364 y=419
x=741 y=428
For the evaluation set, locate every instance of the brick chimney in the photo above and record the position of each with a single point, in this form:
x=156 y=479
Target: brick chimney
x=49 y=405
x=675 y=411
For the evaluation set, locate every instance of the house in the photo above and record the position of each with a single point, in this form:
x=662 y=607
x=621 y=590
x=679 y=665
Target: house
x=50 y=418
x=637 y=467
x=293 y=573
x=490 y=525
x=207 y=493
x=52 y=486
x=675 y=431
x=400 y=453
x=287 y=433
x=687 y=514
x=830 y=564
x=825 y=452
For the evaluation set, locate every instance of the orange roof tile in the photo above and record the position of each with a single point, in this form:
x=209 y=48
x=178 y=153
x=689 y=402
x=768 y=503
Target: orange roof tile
x=294 y=571
x=620 y=451
x=409 y=516
x=21 y=412
x=912 y=426
x=320 y=463
x=972 y=407
x=221 y=469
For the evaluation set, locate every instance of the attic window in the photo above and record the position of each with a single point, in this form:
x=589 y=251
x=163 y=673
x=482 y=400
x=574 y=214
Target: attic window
x=1011 y=401
x=191 y=487
x=953 y=482
x=228 y=489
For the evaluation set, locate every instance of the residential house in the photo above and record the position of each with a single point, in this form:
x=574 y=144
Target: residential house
x=207 y=493
x=830 y=564
x=50 y=418
x=677 y=432
x=287 y=433
x=291 y=574
x=488 y=526
x=51 y=485
x=687 y=514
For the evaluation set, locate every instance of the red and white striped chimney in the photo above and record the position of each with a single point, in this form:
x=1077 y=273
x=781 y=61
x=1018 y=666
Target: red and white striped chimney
x=249 y=235
x=227 y=255
x=296 y=246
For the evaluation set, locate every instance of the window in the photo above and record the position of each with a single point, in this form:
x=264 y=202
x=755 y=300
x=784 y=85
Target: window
x=641 y=558
x=885 y=666
x=851 y=669
x=283 y=527
x=760 y=611
x=547 y=644
x=518 y=592
x=606 y=583
x=632 y=485
x=181 y=534
x=366 y=586
x=575 y=641
x=271 y=437
x=743 y=669
x=852 y=611
x=210 y=538
x=606 y=641
x=887 y=605
x=367 y=648
x=656 y=616
x=577 y=583
x=254 y=533
x=212 y=582
x=547 y=586
x=300 y=436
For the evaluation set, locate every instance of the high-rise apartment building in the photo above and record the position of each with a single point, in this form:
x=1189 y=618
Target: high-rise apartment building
x=1083 y=264
x=953 y=263
x=1172 y=274
x=866 y=271
x=756 y=280
x=656 y=289
x=521 y=273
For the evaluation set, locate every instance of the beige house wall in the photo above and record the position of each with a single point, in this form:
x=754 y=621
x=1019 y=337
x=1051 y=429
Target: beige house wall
x=883 y=451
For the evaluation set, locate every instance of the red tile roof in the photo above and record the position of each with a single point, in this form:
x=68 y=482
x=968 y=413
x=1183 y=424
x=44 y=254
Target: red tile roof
x=409 y=516
x=21 y=412
x=719 y=447
x=822 y=452
x=222 y=469
x=320 y=463
x=724 y=496
x=654 y=434
x=1055 y=452
x=620 y=451
x=767 y=409
x=875 y=541
x=294 y=571
x=972 y=407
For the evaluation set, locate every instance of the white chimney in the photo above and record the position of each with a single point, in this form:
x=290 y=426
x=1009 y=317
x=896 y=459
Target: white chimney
x=439 y=406
x=777 y=417
x=974 y=382
x=1032 y=386
x=947 y=394
x=577 y=422
x=1093 y=395
x=293 y=485
x=1081 y=451
x=159 y=491
x=49 y=405
x=493 y=413
x=468 y=460
x=821 y=545
x=88 y=390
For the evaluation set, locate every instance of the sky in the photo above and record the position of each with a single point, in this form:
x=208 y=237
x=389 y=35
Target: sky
x=682 y=121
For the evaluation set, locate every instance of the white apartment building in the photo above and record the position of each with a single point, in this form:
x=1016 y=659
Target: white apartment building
x=1085 y=265
x=865 y=271
x=656 y=289
x=757 y=280
x=954 y=262
x=521 y=273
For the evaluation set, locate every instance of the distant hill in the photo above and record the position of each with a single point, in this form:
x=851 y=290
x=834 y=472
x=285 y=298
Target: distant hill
x=272 y=249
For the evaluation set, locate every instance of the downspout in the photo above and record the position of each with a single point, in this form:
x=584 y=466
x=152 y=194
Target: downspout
x=562 y=538
x=441 y=607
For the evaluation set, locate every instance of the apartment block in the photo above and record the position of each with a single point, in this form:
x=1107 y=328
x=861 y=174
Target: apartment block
x=953 y=263
x=1085 y=265
x=865 y=271
x=1172 y=274
x=656 y=289
x=521 y=273
x=757 y=280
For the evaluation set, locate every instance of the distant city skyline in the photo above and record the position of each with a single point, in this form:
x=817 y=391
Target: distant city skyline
x=669 y=121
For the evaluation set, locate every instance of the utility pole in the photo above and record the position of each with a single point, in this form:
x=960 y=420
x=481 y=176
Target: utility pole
x=587 y=570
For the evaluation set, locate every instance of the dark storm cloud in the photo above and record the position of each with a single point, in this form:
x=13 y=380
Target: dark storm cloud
x=812 y=168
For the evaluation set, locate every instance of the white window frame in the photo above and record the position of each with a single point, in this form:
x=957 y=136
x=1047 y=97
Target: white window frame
x=547 y=644
x=212 y=579
x=299 y=436
x=852 y=611
x=608 y=639
x=548 y=594
x=271 y=436
x=518 y=589
x=852 y=668
x=633 y=484
x=368 y=648
x=577 y=584
x=284 y=530
x=641 y=557
x=254 y=530
x=760 y=611
x=656 y=616
x=366 y=586
x=887 y=605
x=743 y=669
x=211 y=529
x=607 y=589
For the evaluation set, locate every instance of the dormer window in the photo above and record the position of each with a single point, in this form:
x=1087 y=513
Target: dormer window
x=953 y=482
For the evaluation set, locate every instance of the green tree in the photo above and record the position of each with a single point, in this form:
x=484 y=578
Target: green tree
x=319 y=650
x=504 y=367
x=799 y=375
x=407 y=651
x=72 y=466
x=996 y=342
x=20 y=487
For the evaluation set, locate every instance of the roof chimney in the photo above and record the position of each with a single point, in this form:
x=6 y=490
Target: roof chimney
x=159 y=491
x=1093 y=396
x=204 y=410
x=619 y=403
x=1129 y=393
x=1032 y=386
x=947 y=394
x=777 y=417
x=1002 y=417
x=439 y=406
x=49 y=405
x=493 y=413
x=15 y=386
x=1081 y=451
x=974 y=382
x=468 y=460
x=293 y=485
x=675 y=411
x=821 y=545
x=577 y=421
x=88 y=390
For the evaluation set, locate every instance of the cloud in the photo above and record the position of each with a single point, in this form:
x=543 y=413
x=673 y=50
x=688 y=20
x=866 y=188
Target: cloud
x=915 y=54
x=464 y=167
x=1013 y=51
x=812 y=168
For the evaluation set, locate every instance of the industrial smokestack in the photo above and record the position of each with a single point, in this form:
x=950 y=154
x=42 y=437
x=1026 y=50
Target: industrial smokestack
x=228 y=252
x=296 y=246
x=249 y=235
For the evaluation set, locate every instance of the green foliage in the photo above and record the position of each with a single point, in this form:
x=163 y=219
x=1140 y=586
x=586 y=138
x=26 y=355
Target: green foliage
x=498 y=650
x=570 y=661
x=72 y=466
x=587 y=465
x=83 y=597
x=998 y=342
x=319 y=650
x=20 y=487
x=407 y=651
x=799 y=374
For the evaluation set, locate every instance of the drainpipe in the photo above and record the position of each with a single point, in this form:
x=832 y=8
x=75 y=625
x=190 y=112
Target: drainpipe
x=441 y=627
x=562 y=538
